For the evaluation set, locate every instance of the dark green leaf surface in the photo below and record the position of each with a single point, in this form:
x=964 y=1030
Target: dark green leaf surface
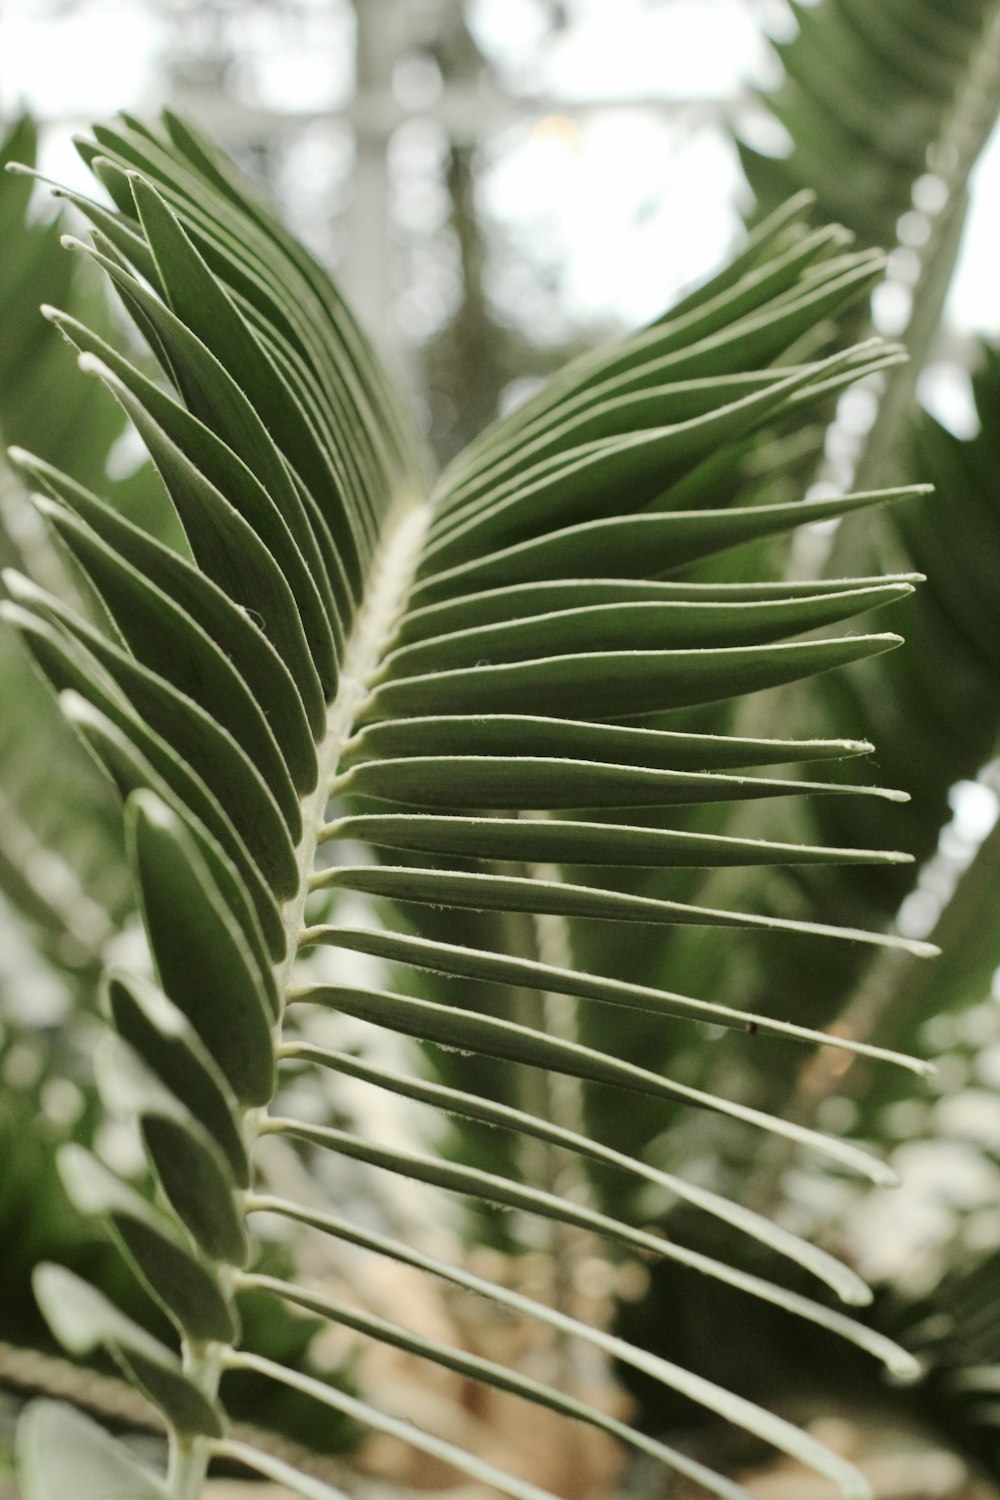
x=231 y=478
x=204 y=964
x=618 y=684
x=821 y=601
x=171 y=1048
x=458 y=781
x=69 y=669
x=513 y=893
x=223 y=541
x=558 y=841
x=195 y=1177
x=640 y=546
x=185 y=1288
x=172 y=645
x=634 y=621
x=506 y=735
x=249 y=899
x=207 y=606
x=602 y=477
x=500 y=968
x=236 y=786
x=85 y=1320
x=192 y=1168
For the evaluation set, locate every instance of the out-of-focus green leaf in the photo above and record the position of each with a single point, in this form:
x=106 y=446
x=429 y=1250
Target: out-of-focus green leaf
x=61 y=1452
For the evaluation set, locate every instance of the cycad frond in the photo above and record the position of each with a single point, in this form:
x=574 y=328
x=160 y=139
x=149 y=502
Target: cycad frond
x=507 y=642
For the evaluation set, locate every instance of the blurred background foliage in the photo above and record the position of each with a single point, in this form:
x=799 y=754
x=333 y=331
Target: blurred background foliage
x=497 y=184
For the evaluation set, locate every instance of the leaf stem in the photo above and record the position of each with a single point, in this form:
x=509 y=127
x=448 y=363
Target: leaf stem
x=391 y=577
x=189 y=1456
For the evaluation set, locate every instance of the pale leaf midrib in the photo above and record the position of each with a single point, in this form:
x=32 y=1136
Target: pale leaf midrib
x=391 y=574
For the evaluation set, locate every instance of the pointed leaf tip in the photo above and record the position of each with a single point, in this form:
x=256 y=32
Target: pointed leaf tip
x=903 y=1367
x=882 y=1175
x=91 y=365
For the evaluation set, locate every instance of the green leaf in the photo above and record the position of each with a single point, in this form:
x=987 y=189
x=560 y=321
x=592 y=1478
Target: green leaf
x=214 y=396
x=203 y=304
x=192 y=1172
x=192 y=662
x=171 y=1048
x=448 y=1026
x=505 y=735
x=233 y=479
x=224 y=543
x=732 y=1408
x=60 y=1452
x=193 y=592
x=185 y=1288
x=529 y=619
x=514 y=893
x=544 y=840
x=873 y=86
x=848 y=1286
x=204 y=964
x=70 y=667
x=512 y=1195
x=248 y=898
x=192 y=1168
x=516 y=782
x=209 y=749
x=753 y=317
x=605 y=476
x=617 y=684
x=331 y=634
x=473 y=1367
x=638 y=546
x=83 y=1320
x=500 y=968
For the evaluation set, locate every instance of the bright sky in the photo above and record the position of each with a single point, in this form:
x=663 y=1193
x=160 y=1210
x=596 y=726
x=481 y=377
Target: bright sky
x=619 y=207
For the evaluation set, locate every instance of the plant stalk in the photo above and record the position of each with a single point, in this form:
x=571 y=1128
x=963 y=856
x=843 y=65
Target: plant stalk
x=188 y=1462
